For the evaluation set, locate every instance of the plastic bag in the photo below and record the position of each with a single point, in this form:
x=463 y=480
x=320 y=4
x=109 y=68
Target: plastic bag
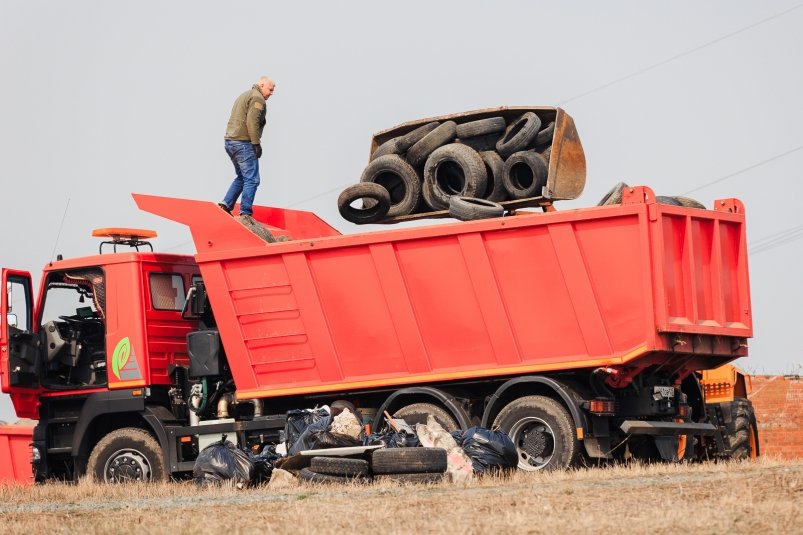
x=488 y=450
x=318 y=436
x=223 y=461
x=263 y=464
x=391 y=439
x=298 y=420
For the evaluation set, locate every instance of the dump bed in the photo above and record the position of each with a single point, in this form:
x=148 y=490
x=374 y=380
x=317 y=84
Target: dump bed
x=632 y=285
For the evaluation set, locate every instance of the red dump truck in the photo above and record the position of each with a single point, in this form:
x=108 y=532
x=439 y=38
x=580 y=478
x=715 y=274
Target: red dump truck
x=579 y=332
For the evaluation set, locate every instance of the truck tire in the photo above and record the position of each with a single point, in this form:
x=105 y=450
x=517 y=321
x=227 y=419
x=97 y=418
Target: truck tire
x=480 y=143
x=443 y=134
x=544 y=136
x=471 y=209
x=371 y=211
x=314 y=478
x=525 y=174
x=519 y=134
x=542 y=431
x=399 y=178
x=416 y=413
x=614 y=195
x=408 y=461
x=453 y=169
x=390 y=146
x=125 y=455
x=418 y=479
x=742 y=436
x=481 y=127
x=494 y=169
x=670 y=201
x=689 y=202
x=339 y=466
x=411 y=138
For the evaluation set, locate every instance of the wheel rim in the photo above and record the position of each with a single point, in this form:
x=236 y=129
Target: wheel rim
x=127 y=465
x=535 y=442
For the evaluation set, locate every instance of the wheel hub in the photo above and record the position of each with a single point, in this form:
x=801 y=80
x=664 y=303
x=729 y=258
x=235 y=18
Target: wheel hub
x=535 y=442
x=127 y=465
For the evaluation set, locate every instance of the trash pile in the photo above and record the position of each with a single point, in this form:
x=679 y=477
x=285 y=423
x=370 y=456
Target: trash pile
x=329 y=445
x=466 y=168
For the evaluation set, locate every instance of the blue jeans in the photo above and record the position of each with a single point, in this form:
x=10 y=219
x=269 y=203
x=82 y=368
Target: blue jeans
x=246 y=165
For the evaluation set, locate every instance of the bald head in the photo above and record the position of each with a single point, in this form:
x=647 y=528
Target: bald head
x=266 y=86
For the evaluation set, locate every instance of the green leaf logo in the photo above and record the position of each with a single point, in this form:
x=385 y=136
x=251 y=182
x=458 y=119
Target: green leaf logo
x=121 y=355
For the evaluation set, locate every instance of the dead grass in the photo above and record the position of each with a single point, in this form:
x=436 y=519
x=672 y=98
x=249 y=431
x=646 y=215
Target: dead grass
x=762 y=497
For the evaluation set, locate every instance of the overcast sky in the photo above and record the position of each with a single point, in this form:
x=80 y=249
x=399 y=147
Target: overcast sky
x=101 y=99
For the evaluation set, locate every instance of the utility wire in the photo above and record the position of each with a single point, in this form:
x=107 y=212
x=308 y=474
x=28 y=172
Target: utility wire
x=681 y=55
x=776 y=240
x=61 y=225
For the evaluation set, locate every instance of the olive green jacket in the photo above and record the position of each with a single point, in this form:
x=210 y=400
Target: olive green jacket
x=247 y=117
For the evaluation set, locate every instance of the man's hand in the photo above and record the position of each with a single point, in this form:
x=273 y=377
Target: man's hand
x=258 y=150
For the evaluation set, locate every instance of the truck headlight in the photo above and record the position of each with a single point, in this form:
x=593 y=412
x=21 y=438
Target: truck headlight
x=36 y=454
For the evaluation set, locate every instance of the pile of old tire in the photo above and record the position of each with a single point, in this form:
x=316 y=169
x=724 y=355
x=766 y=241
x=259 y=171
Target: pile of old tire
x=614 y=196
x=424 y=170
x=336 y=470
x=408 y=465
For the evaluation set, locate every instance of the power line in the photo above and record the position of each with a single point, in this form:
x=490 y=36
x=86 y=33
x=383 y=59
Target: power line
x=681 y=55
x=776 y=240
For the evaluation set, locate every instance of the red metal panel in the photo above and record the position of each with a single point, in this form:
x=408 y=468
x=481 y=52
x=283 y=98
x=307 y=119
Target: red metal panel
x=15 y=455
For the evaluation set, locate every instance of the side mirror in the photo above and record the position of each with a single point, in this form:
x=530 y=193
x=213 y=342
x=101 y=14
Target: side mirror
x=12 y=320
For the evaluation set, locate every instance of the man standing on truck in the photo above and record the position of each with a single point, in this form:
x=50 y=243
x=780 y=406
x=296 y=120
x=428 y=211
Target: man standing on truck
x=243 y=145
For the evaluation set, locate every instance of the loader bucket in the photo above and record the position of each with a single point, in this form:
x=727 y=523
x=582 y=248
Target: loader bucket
x=567 y=165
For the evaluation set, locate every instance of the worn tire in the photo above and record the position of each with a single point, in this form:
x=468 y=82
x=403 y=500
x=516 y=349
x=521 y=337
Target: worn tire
x=742 y=435
x=408 y=461
x=416 y=413
x=411 y=138
x=453 y=169
x=545 y=135
x=614 y=195
x=481 y=127
x=339 y=466
x=443 y=134
x=669 y=201
x=314 y=478
x=419 y=479
x=494 y=169
x=519 y=134
x=525 y=174
x=390 y=146
x=399 y=178
x=471 y=209
x=689 y=202
x=127 y=454
x=480 y=143
x=370 y=212
x=546 y=153
x=543 y=432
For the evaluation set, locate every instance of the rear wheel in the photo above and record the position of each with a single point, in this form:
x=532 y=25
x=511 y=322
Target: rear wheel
x=417 y=413
x=542 y=431
x=126 y=455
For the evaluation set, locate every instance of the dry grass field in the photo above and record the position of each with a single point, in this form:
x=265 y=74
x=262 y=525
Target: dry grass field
x=761 y=497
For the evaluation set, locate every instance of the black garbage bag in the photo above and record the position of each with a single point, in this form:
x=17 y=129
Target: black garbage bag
x=488 y=450
x=392 y=439
x=263 y=464
x=223 y=461
x=298 y=420
x=318 y=436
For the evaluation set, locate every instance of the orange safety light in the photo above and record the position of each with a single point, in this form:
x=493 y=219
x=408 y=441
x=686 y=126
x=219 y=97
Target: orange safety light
x=132 y=237
x=602 y=406
x=185 y=439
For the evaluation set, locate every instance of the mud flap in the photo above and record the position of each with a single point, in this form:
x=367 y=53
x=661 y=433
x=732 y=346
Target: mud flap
x=667 y=446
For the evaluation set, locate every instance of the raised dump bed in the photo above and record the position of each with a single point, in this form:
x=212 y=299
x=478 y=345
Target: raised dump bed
x=632 y=285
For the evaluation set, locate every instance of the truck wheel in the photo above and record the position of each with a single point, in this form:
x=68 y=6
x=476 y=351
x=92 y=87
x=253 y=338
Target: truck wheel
x=525 y=174
x=371 y=211
x=399 y=178
x=125 y=455
x=453 y=169
x=417 y=413
x=443 y=134
x=742 y=435
x=542 y=431
x=519 y=134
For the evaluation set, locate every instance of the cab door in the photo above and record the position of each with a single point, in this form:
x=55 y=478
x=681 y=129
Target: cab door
x=20 y=362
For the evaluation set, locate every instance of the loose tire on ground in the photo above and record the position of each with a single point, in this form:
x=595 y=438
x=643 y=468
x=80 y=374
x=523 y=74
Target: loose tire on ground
x=416 y=413
x=471 y=209
x=339 y=466
x=125 y=455
x=543 y=432
x=408 y=461
x=314 y=478
x=399 y=178
x=419 y=479
x=453 y=169
x=494 y=169
x=443 y=134
x=525 y=174
x=371 y=211
x=481 y=127
x=519 y=134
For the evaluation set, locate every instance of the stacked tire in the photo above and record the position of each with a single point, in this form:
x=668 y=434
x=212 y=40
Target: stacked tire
x=476 y=164
x=336 y=470
x=394 y=465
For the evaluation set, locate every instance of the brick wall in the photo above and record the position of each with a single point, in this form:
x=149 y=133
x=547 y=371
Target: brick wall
x=778 y=402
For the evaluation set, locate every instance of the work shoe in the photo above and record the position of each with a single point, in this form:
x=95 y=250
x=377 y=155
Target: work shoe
x=225 y=208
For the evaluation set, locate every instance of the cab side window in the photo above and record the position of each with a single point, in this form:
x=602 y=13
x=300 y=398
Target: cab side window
x=19 y=309
x=167 y=291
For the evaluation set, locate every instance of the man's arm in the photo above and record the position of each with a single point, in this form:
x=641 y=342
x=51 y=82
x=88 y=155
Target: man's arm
x=253 y=119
